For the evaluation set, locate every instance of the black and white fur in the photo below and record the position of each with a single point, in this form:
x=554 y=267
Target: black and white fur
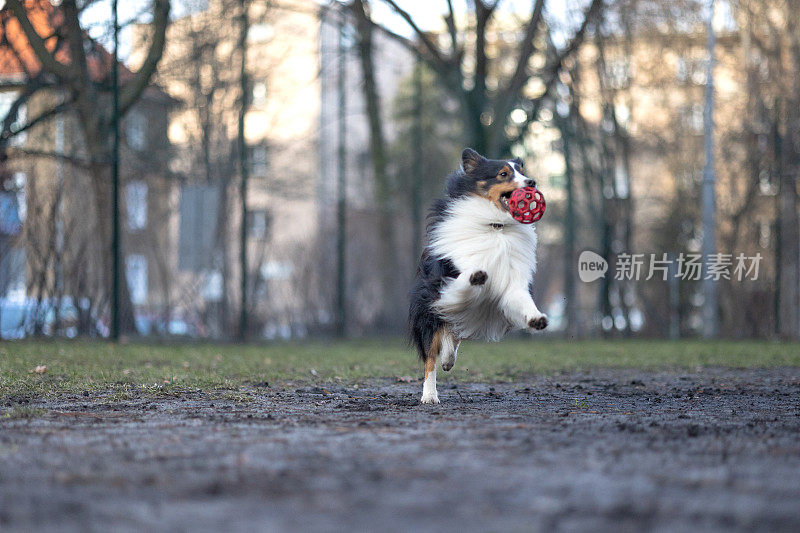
x=475 y=274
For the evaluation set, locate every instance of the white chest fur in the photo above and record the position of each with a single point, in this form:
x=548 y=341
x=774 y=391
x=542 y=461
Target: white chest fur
x=476 y=235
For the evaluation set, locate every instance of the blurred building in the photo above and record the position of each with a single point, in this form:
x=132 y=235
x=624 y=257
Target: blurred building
x=201 y=67
x=393 y=68
x=291 y=135
x=641 y=98
x=48 y=226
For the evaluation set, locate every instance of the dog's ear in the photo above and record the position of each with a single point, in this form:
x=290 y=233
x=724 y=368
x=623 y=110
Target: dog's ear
x=470 y=159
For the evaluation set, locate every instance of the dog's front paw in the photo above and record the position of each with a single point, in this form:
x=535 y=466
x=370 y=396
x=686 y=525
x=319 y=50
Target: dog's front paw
x=478 y=277
x=428 y=398
x=538 y=322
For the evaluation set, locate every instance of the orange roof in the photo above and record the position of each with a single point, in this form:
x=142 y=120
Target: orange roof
x=17 y=57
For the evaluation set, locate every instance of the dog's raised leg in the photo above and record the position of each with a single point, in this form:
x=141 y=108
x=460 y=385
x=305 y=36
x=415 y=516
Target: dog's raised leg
x=521 y=310
x=461 y=292
x=449 y=351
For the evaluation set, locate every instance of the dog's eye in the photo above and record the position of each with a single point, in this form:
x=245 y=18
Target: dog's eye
x=504 y=174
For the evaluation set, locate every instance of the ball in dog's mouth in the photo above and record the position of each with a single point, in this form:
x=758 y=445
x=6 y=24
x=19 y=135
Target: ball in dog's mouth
x=526 y=205
x=504 y=198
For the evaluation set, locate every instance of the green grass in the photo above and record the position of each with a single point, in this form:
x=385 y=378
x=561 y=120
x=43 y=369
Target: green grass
x=74 y=367
x=22 y=411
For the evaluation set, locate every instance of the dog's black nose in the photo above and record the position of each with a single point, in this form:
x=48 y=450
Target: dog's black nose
x=530 y=183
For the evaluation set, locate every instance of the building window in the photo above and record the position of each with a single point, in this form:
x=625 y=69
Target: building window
x=618 y=73
x=19 y=181
x=692 y=117
x=767 y=184
x=214 y=288
x=258 y=161
x=691 y=70
x=136 y=130
x=258 y=223
x=7 y=99
x=10 y=223
x=689 y=178
x=136 y=205
x=276 y=270
x=259 y=94
x=13 y=206
x=764 y=233
x=260 y=32
x=136 y=274
x=12 y=276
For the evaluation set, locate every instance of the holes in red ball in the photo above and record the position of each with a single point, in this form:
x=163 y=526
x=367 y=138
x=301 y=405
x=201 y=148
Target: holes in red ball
x=526 y=205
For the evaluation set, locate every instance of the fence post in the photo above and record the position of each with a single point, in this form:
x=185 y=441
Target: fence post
x=416 y=178
x=710 y=317
x=243 y=167
x=115 y=237
x=341 y=184
x=674 y=299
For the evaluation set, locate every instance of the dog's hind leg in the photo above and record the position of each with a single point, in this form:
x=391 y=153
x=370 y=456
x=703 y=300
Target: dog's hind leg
x=429 y=394
x=442 y=337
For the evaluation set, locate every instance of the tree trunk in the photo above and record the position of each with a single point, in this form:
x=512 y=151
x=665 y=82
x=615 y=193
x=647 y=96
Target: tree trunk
x=102 y=196
x=377 y=144
x=570 y=290
x=789 y=226
x=790 y=250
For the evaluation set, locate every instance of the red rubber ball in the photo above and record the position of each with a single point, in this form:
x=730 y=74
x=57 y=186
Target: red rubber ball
x=526 y=205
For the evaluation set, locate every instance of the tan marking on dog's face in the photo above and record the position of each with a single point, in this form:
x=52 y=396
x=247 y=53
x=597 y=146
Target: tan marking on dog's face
x=505 y=174
x=496 y=192
x=494 y=188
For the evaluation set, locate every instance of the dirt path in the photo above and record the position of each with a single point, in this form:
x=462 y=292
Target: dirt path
x=718 y=449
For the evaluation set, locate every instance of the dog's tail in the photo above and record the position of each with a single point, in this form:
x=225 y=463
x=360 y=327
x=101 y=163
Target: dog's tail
x=423 y=321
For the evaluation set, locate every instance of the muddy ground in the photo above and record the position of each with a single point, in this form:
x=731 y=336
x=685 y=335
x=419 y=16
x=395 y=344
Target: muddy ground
x=607 y=450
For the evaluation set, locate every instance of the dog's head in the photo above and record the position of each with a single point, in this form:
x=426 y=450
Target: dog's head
x=493 y=179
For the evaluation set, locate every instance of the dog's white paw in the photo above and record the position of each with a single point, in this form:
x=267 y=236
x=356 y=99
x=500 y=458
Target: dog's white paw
x=538 y=323
x=427 y=397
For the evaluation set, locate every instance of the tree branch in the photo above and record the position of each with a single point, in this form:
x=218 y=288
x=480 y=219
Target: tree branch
x=577 y=39
x=517 y=80
x=41 y=117
x=423 y=37
x=77 y=53
x=45 y=57
x=132 y=90
x=550 y=71
x=11 y=117
x=29 y=152
x=527 y=48
x=450 y=20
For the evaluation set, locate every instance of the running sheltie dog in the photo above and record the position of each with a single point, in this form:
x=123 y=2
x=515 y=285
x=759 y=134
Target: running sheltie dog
x=474 y=277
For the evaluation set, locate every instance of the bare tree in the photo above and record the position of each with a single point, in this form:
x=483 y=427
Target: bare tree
x=487 y=86
x=70 y=61
x=378 y=152
x=772 y=42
